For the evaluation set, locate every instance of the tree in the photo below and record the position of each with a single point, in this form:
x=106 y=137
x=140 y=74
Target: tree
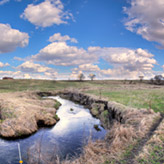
x=158 y=79
x=92 y=76
x=81 y=76
x=141 y=78
x=152 y=81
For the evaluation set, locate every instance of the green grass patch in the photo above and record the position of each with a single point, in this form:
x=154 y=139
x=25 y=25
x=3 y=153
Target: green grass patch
x=156 y=156
x=57 y=104
x=153 y=99
x=56 y=117
x=71 y=109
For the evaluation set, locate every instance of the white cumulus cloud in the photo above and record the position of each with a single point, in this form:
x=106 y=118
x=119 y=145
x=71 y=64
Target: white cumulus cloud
x=11 y=38
x=123 y=62
x=46 y=13
x=146 y=18
x=21 y=75
x=130 y=59
x=87 y=68
x=4 y=64
x=59 y=53
x=58 y=37
x=30 y=68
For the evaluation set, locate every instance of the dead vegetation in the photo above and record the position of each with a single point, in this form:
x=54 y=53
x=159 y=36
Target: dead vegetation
x=136 y=125
x=118 y=139
x=21 y=113
x=152 y=151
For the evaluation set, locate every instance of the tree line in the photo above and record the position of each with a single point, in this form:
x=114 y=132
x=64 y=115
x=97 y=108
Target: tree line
x=157 y=80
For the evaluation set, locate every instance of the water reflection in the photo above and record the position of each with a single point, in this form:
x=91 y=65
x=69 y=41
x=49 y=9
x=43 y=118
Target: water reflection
x=65 y=139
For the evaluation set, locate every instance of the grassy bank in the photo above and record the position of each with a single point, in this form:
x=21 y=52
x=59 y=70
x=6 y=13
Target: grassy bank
x=147 y=98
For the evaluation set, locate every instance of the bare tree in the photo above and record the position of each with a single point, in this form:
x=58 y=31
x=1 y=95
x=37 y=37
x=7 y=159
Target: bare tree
x=81 y=76
x=141 y=78
x=92 y=76
x=152 y=81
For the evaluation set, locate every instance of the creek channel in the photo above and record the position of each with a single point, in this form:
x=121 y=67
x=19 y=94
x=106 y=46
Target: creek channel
x=66 y=139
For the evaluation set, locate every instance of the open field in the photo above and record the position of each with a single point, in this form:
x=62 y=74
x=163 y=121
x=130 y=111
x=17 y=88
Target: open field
x=138 y=95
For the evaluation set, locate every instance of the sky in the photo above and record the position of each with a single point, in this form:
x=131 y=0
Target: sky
x=59 y=39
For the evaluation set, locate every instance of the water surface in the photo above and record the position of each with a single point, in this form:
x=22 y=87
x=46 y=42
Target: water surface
x=65 y=139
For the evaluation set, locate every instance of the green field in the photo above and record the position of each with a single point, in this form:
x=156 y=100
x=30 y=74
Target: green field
x=138 y=95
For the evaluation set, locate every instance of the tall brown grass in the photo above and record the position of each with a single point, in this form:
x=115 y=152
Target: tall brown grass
x=137 y=124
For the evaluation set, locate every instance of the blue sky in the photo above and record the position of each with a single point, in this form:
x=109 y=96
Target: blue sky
x=114 y=39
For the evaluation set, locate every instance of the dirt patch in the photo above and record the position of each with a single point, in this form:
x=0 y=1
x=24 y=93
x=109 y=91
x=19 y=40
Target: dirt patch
x=22 y=113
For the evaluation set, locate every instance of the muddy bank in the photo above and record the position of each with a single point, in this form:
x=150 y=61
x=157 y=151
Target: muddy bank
x=106 y=111
x=128 y=126
x=22 y=114
x=102 y=109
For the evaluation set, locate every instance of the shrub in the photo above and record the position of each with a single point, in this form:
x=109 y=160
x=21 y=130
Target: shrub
x=57 y=105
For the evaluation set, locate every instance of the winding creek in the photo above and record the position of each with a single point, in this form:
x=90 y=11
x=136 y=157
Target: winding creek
x=65 y=139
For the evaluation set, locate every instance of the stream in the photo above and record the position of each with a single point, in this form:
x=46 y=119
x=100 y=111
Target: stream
x=64 y=140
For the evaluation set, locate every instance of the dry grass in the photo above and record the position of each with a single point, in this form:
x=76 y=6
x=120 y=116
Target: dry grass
x=120 y=135
x=137 y=125
x=94 y=153
x=15 y=118
x=152 y=146
x=97 y=152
